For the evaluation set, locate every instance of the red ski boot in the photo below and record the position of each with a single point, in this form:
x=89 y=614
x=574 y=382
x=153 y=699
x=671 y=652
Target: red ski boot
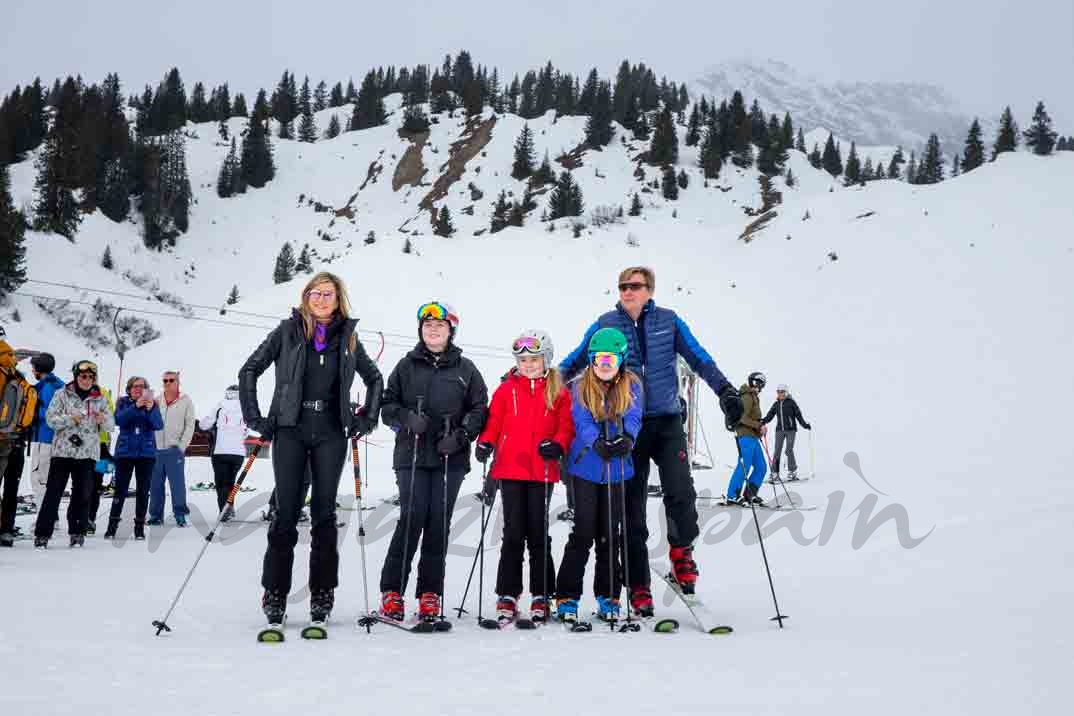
x=428 y=606
x=391 y=606
x=684 y=568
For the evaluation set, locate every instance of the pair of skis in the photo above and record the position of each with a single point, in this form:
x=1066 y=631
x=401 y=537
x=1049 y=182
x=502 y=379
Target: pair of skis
x=274 y=633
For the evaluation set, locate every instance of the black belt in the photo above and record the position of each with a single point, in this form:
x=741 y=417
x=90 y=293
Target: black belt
x=316 y=406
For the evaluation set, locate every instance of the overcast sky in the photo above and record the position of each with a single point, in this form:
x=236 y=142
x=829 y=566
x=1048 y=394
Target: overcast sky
x=986 y=52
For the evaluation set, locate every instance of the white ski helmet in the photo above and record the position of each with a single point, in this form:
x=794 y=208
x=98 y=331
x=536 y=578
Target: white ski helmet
x=534 y=342
x=782 y=388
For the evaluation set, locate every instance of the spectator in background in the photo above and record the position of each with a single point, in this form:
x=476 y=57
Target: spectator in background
x=228 y=448
x=77 y=414
x=48 y=383
x=788 y=415
x=172 y=440
x=138 y=417
x=12 y=443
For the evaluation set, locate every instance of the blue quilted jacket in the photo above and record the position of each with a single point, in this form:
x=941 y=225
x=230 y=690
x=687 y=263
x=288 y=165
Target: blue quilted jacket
x=655 y=340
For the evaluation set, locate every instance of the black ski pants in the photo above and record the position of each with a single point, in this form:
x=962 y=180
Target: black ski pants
x=663 y=441
x=524 y=518
x=594 y=525
x=319 y=442
x=421 y=514
x=10 y=474
x=142 y=470
x=80 y=473
x=225 y=470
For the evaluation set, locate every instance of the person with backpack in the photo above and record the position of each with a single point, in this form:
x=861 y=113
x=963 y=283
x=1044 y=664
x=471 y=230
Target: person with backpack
x=18 y=401
x=317 y=354
x=228 y=444
x=177 y=409
x=786 y=411
x=530 y=430
x=138 y=418
x=607 y=411
x=77 y=414
x=752 y=465
x=43 y=365
x=657 y=336
x=436 y=399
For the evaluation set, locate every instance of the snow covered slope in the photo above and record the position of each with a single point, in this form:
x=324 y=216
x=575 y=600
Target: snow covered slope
x=923 y=329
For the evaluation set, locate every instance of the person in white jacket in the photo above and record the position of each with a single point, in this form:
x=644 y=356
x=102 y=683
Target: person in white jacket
x=229 y=447
x=178 y=413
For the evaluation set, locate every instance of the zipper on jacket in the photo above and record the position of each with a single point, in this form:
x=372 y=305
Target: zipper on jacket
x=514 y=399
x=637 y=341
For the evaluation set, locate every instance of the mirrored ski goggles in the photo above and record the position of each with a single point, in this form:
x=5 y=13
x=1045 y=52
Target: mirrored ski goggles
x=604 y=359
x=526 y=345
x=86 y=367
x=436 y=311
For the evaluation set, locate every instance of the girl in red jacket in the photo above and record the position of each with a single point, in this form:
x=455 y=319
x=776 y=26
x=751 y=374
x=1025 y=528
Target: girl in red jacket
x=530 y=428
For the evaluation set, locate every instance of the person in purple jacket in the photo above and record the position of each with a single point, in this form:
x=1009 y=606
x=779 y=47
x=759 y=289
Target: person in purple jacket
x=138 y=418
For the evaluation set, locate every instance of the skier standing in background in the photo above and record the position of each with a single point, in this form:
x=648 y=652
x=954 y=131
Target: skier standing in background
x=229 y=447
x=751 y=465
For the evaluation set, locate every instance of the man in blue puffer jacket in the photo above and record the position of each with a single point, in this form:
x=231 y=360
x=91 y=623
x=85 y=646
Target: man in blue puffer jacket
x=656 y=336
x=48 y=383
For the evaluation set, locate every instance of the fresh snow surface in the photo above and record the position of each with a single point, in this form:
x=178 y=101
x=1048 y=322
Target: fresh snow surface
x=936 y=348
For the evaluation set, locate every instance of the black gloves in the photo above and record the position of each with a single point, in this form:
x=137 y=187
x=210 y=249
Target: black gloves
x=453 y=442
x=807 y=426
x=482 y=451
x=731 y=405
x=266 y=427
x=618 y=446
x=361 y=424
x=416 y=423
x=550 y=450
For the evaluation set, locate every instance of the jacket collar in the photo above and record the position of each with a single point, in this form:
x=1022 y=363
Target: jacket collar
x=450 y=356
x=649 y=307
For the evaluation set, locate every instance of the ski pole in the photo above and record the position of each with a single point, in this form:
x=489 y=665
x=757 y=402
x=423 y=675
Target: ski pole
x=547 y=543
x=768 y=458
x=367 y=621
x=479 y=555
x=812 y=456
x=611 y=538
x=405 y=561
x=443 y=569
x=162 y=623
x=623 y=531
x=760 y=540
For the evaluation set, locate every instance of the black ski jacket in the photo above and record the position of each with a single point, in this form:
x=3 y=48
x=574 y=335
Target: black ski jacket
x=787 y=415
x=448 y=385
x=286 y=347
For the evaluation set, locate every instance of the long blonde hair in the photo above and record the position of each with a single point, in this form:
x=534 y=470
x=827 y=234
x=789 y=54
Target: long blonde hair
x=553 y=386
x=343 y=307
x=607 y=401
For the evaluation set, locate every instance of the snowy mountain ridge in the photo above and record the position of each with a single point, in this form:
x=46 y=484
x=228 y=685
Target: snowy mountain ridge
x=870 y=113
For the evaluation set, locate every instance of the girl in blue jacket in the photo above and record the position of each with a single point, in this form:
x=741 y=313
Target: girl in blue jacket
x=137 y=416
x=607 y=412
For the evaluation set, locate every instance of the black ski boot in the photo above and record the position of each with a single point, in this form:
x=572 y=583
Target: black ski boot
x=139 y=531
x=321 y=603
x=78 y=540
x=274 y=605
x=110 y=533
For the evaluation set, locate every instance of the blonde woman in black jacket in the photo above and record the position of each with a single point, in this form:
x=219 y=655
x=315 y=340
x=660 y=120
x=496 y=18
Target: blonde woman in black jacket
x=785 y=411
x=317 y=354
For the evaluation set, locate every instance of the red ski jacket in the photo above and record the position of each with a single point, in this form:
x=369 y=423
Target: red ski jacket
x=518 y=421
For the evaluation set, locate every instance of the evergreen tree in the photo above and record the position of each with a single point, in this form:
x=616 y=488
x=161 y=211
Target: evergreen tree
x=333 y=127
x=443 y=225
x=1040 y=136
x=911 y=170
x=544 y=174
x=233 y=295
x=1007 y=136
x=830 y=160
x=897 y=160
x=221 y=129
x=285 y=264
x=12 y=232
x=350 y=94
x=523 y=164
x=623 y=92
x=304 y=264
x=114 y=197
x=517 y=215
x=786 y=133
x=499 y=214
x=565 y=198
x=711 y=150
x=238 y=109
x=664 y=148
x=930 y=171
x=799 y=142
x=668 y=185
x=635 y=205
x=173 y=104
x=868 y=172
x=956 y=163
x=320 y=97
x=588 y=96
x=973 y=154
x=415 y=119
x=641 y=128
x=199 y=106
x=693 y=128
x=527 y=101
x=106 y=259
x=256 y=164
x=814 y=157
x=852 y=172
x=790 y=179
x=55 y=208
x=598 y=128
x=336 y=98
x=307 y=128
x=229 y=168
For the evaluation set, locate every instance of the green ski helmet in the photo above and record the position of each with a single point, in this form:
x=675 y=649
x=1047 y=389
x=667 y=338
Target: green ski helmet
x=609 y=340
